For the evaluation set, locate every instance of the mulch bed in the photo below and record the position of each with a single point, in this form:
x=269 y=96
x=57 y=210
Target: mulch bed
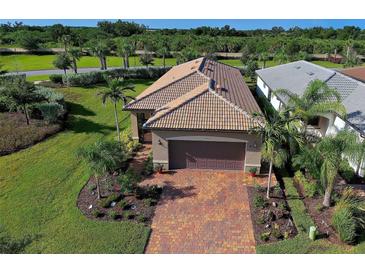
x=321 y=216
x=15 y=134
x=140 y=206
x=273 y=219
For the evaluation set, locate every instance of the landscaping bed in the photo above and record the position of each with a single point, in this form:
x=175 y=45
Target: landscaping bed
x=15 y=134
x=272 y=220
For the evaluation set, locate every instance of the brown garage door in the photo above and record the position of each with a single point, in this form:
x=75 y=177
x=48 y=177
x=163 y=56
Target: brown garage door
x=206 y=155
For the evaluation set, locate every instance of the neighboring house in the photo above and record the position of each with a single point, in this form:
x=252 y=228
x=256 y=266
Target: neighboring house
x=198 y=115
x=357 y=73
x=296 y=76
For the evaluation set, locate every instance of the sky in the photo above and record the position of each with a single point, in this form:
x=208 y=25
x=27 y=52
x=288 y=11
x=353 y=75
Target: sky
x=240 y=24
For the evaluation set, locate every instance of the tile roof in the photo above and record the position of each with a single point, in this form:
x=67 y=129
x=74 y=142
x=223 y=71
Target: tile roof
x=160 y=97
x=357 y=73
x=200 y=94
x=296 y=76
x=201 y=109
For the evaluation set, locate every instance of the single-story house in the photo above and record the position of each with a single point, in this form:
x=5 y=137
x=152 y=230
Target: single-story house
x=296 y=76
x=198 y=116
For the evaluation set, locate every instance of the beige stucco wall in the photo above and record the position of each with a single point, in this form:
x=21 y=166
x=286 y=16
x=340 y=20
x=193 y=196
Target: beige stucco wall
x=134 y=125
x=161 y=138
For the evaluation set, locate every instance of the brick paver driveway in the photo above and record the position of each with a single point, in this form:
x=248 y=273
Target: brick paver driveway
x=202 y=212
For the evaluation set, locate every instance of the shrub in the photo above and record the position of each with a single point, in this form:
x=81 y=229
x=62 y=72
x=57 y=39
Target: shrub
x=259 y=201
x=265 y=236
x=123 y=204
x=346 y=171
x=253 y=170
x=128 y=215
x=259 y=188
x=128 y=181
x=149 y=202
x=107 y=201
x=96 y=77
x=311 y=188
x=50 y=95
x=91 y=187
x=56 y=78
x=349 y=216
x=113 y=214
x=50 y=111
x=141 y=218
x=130 y=144
x=148 y=166
x=97 y=213
x=275 y=232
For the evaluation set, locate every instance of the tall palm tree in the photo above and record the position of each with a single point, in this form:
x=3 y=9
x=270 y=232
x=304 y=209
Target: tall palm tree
x=125 y=48
x=75 y=55
x=281 y=57
x=116 y=92
x=275 y=133
x=102 y=157
x=100 y=49
x=333 y=149
x=163 y=51
x=317 y=99
x=263 y=57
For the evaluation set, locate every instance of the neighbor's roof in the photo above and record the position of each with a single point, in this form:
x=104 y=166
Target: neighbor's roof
x=357 y=73
x=200 y=94
x=296 y=76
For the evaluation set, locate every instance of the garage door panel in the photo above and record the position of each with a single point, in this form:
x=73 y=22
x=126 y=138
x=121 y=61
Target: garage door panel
x=206 y=155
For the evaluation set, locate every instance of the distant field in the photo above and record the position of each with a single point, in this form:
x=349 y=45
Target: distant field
x=328 y=64
x=25 y=62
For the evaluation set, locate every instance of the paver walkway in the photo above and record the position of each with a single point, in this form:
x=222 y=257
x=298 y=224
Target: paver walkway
x=202 y=212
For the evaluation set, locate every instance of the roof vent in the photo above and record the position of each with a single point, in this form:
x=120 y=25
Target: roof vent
x=218 y=87
x=297 y=67
x=310 y=73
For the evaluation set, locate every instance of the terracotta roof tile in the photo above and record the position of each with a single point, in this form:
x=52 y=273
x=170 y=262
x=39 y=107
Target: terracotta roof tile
x=357 y=73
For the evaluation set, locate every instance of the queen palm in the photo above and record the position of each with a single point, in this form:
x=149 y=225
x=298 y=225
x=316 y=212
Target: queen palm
x=275 y=133
x=333 y=149
x=75 y=55
x=102 y=157
x=116 y=92
x=125 y=48
x=263 y=57
x=317 y=99
x=100 y=49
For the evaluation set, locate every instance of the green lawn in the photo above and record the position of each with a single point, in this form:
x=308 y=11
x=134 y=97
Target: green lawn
x=24 y=62
x=39 y=186
x=301 y=244
x=328 y=64
x=238 y=63
x=38 y=78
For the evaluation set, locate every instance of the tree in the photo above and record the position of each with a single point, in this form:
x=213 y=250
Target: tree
x=146 y=59
x=125 y=49
x=317 y=99
x=186 y=55
x=100 y=49
x=275 y=133
x=251 y=67
x=62 y=61
x=66 y=41
x=246 y=55
x=332 y=150
x=75 y=55
x=281 y=57
x=102 y=157
x=263 y=57
x=21 y=93
x=115 y=93
x=28 y=40
x=163 y=50
x=351 y=58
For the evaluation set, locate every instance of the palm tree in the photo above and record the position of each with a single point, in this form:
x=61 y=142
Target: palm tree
x=263 y=57
x=125 y=48
x=75 y=55
x=281 y=57
x=146 y=58
x=102 y=157
x=100 y=49
x=62 y=61
x=317 y=99
x=333 y=149
x=163 y=51
x=115 y=93
x=275 y=134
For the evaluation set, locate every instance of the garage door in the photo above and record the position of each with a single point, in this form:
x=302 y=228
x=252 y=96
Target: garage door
x=206 y=155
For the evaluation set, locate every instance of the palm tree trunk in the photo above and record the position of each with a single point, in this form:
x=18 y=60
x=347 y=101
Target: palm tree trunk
x=164 y=60
x=117 y=122
x=126 y=61
x=26 y=114
x=101 y=63
x=75 y=65
x=123 y=61
x=105 y=66
x=97 y=186
x=269 y=181
x=327 y=195
x=64 y=70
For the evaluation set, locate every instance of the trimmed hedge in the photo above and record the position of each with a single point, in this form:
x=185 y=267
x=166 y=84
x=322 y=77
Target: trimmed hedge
x=56 y=78
x=97 y=77
x=10 y=77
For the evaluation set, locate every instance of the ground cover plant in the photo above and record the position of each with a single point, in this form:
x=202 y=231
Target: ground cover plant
x=49 y=177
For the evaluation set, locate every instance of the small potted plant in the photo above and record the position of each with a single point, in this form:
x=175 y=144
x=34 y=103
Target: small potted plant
x=159 y=168
x=253 y=171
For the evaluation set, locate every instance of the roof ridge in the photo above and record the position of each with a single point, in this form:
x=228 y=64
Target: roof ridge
x=199 y=90
x=159 y=89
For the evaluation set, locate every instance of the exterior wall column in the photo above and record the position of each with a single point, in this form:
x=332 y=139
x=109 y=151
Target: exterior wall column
x=134 y=123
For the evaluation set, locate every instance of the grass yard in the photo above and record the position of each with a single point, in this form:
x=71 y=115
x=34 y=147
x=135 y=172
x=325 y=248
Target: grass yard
x=328 y=64
x=37 y=78
x=301 y=244
x=24 y=62
x=39 y=186
x=238 y=63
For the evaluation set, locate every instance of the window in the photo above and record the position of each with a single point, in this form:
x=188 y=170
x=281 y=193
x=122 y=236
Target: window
x=314 y=121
